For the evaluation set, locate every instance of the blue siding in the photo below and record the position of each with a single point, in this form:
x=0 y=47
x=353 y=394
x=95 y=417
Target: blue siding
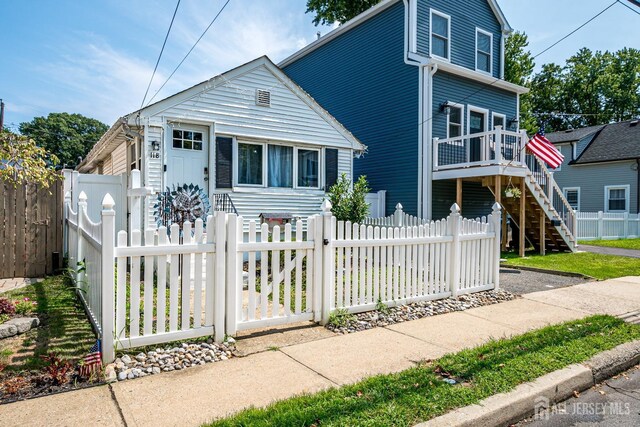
x=464 y=20
x=448 y=87
x=477 y=200
x=361 y=79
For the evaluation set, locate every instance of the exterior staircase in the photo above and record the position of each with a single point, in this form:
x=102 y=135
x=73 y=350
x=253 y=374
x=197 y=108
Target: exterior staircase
x=548 y=215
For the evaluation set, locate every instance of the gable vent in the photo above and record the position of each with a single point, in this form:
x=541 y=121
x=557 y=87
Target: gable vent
x=263 y=98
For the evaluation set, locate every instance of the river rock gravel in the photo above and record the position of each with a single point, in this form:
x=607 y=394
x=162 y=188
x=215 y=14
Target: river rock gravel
x=166 y=359
x=418 y=310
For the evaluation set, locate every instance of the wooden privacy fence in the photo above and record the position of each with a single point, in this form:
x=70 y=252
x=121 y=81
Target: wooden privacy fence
x=601 y=225
x=212 y=278
x=30 y=229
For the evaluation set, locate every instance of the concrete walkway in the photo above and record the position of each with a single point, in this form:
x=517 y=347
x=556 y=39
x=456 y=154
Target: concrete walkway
x=315 y=362
x=631 y=253
x=7 y=285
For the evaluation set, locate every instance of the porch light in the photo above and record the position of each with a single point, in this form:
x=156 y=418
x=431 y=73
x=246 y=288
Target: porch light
x=512 y=121
x=155 y=146
x=445 y=107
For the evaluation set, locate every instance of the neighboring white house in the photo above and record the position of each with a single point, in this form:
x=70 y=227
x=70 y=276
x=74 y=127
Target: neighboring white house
x=251 y=133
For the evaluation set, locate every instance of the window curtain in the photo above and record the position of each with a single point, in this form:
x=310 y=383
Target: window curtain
x=280 y=166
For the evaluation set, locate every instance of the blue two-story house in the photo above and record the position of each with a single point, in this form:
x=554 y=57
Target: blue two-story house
x=421 y=83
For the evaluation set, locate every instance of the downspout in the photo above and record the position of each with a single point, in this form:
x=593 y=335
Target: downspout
x=416 y=60
x=638 y=185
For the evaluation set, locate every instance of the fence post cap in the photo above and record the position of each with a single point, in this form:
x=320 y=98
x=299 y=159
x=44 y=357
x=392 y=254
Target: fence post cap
x=326 y=206
x=107 y=202
x=67 y=195
x=496 y=207
x=399 y=206
x=455 y=208
x=82 y=197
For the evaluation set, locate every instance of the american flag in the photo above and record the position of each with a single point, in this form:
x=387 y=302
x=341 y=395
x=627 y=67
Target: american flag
x=92 y=361
x=543 y=149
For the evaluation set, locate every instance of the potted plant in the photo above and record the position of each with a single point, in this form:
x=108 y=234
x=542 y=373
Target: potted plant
x=512 y=192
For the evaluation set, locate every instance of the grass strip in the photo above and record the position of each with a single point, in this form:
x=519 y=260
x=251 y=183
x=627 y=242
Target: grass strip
x=621 y=243
x=420 y=393
x=64 y=330
x=595 y=265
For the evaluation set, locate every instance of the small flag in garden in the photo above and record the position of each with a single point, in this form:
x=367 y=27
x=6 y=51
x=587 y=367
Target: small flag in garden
x=544 y=150
x=92 y=361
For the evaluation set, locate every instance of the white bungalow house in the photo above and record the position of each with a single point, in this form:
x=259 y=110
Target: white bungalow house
x=250 y=134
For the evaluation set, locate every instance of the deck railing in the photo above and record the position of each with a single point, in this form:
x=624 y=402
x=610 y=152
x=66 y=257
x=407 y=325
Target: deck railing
x=479 y=149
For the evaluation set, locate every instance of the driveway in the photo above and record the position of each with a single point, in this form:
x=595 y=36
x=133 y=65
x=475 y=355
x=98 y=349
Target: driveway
x=523 y=281
x=631 y=253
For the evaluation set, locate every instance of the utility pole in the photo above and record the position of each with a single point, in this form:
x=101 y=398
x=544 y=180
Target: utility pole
x=1 y=115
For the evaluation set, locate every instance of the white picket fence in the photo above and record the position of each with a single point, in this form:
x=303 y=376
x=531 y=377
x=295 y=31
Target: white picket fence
x=206 y=280
x=601 y=225
x=398 y=219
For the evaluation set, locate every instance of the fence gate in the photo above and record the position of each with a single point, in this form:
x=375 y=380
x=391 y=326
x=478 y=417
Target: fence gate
x=272 y=277
x=30 y=229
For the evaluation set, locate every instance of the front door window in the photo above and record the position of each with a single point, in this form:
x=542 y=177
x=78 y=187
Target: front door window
x=476 y=125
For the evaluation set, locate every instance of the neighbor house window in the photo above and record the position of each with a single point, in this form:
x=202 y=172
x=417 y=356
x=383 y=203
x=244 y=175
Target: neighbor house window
x=454 y=120
x=440 y=34
x=616 y=198
x=572 y=194
x=308 y=167
x=187 y=139
x=280 y=166
x=484 y=50
x=250 y=164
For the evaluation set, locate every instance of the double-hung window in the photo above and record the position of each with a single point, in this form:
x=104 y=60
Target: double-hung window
x=616 y=198
x=440 y=35
x=250 y=163
x=572 y=194
x=454 y=120
x=308 y=168
x=484 y=50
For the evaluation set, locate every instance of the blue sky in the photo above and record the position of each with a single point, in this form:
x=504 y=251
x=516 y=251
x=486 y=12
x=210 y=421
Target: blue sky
x=96 y=57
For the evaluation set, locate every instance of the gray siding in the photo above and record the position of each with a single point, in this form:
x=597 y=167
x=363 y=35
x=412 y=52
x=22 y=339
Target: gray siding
x=593 y=178
x=464 y=20
x=360 y=77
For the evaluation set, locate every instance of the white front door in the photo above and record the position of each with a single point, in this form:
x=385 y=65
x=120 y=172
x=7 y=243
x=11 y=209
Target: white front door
x=187 y=156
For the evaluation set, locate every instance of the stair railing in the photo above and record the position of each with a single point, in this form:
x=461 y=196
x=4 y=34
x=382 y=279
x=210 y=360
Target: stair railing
x=559 y=203
x=222 y=202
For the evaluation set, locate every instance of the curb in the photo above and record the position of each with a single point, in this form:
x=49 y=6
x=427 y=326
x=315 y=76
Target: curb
x=542 y=270
x=506 y=408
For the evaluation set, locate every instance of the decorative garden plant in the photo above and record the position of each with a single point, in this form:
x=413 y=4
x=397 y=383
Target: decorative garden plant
x=186 y=202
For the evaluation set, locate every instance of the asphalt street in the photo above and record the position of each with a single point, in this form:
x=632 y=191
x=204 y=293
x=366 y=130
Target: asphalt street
x=615 y=402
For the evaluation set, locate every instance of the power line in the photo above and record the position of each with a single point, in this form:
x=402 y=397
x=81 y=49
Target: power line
x=629 y=7
x=190 y=50
x=572 y=32
x=160 y=56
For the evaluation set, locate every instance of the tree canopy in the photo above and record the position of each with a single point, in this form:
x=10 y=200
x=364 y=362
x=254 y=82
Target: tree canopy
x=68 y=136
x=340 y=11
x=22 y=160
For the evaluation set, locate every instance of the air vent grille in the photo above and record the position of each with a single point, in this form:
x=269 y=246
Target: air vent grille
x=263 y=98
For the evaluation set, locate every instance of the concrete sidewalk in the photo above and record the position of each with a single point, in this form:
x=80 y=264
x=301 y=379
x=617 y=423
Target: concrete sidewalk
x=197 y=395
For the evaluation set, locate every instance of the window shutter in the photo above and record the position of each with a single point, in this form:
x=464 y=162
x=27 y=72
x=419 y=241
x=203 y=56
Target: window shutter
x=224 y=162
x=330 y=167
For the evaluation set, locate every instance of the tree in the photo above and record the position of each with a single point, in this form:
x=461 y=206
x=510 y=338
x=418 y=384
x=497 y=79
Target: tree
x=547 y=96
x=22 y=160
x=330 y=11
x=518 y=69
x=68 y=136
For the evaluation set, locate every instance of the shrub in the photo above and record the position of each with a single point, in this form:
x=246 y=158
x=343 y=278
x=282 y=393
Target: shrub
x=25 y=306
x=348 y=204
x=7 y=306
x=57 y=369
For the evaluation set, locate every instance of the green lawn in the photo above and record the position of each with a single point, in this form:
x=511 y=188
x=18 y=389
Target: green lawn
x=594 y=265
x=65 y=329
x=419 y=393
x=622 y=243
